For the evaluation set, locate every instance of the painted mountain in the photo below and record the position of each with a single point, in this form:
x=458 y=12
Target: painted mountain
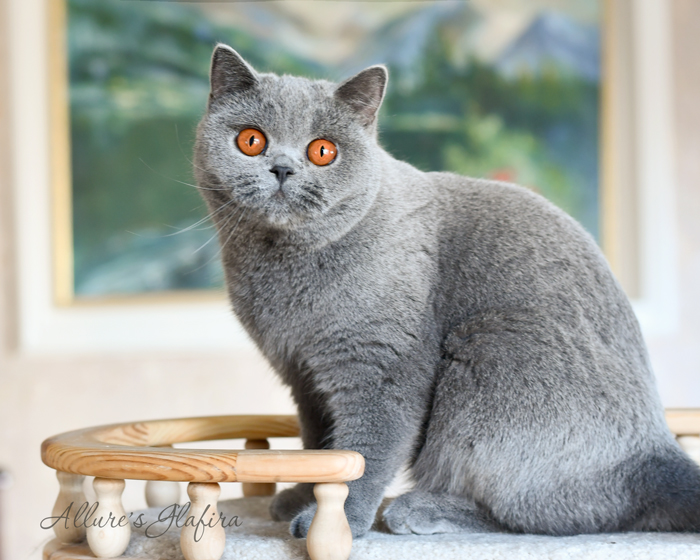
x=554 y=40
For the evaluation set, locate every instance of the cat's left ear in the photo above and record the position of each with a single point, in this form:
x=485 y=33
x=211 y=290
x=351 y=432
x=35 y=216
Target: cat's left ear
x=229 y=72
x=364 y=93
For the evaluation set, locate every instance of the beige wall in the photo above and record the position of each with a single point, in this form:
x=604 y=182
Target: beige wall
x=677 y=359
x=43 y=396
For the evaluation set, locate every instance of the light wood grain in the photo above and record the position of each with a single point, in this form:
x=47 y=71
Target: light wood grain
x=70 y=498
x=258 y=488
x=683 y=421
x=61 y=173
x=125 y=451
x=128 y=451
x=203 y=536
x=109 y=533
x=162 y=493
x=329 y=536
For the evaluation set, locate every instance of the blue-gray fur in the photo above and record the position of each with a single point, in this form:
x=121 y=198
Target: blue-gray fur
x=467 y=327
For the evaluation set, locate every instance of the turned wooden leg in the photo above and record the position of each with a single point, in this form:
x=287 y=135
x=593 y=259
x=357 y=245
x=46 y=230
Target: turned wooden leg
x=109 y=530
x=691 y=445
x=162 y=493
x=329 y=536
x=70 y=498
x=203 y=536
x=258 y=488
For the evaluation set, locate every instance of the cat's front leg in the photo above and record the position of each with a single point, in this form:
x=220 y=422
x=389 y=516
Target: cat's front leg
x=377 y=413
x=364 y=498
x=315 y=434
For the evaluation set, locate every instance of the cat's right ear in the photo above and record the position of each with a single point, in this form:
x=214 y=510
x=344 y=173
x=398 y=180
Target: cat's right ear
x=364 y=93
x=229 y=72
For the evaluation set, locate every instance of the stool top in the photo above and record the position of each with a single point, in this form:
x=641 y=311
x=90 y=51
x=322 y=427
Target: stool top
x=134 y=451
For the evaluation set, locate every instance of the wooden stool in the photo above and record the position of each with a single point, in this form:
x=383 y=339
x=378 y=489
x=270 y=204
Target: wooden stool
x=142 y=451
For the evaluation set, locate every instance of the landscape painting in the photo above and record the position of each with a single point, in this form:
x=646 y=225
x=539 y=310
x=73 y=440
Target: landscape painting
x=507 y=90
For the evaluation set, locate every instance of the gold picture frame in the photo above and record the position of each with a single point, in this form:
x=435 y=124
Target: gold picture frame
x=61 y=186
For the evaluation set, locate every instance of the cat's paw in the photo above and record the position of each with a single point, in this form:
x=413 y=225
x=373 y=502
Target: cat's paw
x=360 y=522
x=404 y=516
x=423 y=513
x=290 y=502
x=299 y=527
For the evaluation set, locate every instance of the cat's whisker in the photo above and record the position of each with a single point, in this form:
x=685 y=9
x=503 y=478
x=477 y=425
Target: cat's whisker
x=200 y=222
x=233 y=230
x=226 y=222
x=225 y=242
x=198 y=249
x=178 y=181
x=177 y=137
x=198 y=229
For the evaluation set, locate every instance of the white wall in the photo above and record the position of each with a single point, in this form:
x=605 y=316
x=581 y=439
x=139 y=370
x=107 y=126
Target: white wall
x=676 y=356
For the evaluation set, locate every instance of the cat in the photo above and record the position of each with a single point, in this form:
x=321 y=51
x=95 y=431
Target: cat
x=465 y=327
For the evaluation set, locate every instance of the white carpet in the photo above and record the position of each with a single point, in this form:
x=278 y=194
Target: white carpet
x=258 y=537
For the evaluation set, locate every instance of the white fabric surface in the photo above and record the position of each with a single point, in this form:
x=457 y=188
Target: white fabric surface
x=260 y=538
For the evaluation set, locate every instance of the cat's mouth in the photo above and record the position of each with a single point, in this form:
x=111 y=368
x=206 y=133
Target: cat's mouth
x=288 y=206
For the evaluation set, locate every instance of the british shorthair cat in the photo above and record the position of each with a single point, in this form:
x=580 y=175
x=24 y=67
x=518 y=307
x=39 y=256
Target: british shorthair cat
x=465 y=327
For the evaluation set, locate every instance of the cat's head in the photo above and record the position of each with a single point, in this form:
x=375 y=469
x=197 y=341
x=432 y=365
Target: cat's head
x=294 y=153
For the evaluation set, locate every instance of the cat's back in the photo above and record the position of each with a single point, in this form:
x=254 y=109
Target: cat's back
x=503 y=246
x=498 y=223
x=507 y=217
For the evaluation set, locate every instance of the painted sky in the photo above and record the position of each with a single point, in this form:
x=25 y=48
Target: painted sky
x=331 y=31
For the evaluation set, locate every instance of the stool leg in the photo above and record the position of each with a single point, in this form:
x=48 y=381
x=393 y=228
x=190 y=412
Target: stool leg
x=203 y=536
x=329 y=536
x=258 y=488
x=70 y=499
x=108 y=530
x=162 y=493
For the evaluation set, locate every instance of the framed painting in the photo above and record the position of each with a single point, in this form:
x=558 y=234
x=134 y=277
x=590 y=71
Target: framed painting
x=508 y=90
x=105 y=97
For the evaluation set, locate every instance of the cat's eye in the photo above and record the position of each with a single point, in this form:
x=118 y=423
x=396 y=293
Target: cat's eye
x=322 y=152
x=251 y=141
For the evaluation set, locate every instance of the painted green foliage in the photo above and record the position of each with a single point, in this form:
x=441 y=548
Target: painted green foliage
x=138 y=75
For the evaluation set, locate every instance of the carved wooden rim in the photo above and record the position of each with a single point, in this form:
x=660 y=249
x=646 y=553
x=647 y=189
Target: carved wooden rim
x=132 y=451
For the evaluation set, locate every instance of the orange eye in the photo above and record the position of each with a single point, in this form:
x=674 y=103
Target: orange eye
x=322 y=152
x=251 y=141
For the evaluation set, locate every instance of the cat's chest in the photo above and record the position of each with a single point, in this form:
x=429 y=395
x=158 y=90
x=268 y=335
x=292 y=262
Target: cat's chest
x=279 y=293
x=297 y=302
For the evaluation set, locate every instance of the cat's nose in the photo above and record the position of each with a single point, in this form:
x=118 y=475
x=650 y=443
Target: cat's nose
x=282 y=172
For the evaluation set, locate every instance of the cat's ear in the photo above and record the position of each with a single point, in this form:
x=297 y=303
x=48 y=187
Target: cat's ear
x=364 y=93
x=229 y=72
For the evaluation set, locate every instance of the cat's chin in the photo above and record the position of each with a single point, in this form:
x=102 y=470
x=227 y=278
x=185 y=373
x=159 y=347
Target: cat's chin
x=280 y=218
x=279 y=222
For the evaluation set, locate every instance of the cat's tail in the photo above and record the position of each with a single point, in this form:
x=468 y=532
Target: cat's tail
x=666 y=490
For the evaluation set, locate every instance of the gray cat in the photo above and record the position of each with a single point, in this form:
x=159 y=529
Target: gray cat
x=467 y=328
